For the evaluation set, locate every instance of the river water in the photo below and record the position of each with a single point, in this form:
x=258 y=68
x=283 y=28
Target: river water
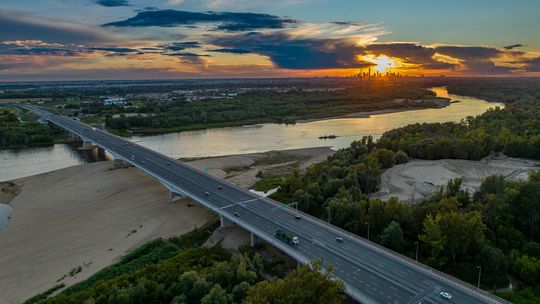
x=247 y=139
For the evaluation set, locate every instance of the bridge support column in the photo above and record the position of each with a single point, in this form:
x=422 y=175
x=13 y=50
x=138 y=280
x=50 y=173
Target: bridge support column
x=119 y=163
x=225 y=223
x=254 y=240
x=87 y=145
x=101 y=153
x=173 y=197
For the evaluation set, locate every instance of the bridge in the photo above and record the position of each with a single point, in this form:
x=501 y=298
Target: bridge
x=371 y=273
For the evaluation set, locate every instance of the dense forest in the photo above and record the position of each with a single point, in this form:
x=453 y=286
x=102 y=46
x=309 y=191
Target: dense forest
x=271 y=106
x=514 y=130
x=180 y=271
x=15 y=132
x=497 y=228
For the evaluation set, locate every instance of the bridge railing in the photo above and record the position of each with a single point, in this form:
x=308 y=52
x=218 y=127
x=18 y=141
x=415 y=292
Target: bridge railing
x=270 y=239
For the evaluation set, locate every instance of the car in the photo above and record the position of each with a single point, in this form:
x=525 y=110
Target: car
x=236 y=214
x=445 y=295
x=207 y=193
x=339 y=239
x=297 y=217
x=168 y=164
x=219 y=187
x=93 y=129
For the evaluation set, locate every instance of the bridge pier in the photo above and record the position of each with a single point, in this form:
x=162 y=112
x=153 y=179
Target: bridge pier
x=101 y=153
x=254 y=240
x=87 y=145
x=173 y=197
x=119 y=163
x=225 y=223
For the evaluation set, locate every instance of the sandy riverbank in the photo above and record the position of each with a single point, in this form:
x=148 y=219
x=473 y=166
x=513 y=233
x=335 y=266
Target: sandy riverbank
x=418 y=179
x=90 y=215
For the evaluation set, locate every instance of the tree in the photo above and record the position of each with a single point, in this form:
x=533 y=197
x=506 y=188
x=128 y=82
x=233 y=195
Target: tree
x=392 y=236
x=463 y=232
x=302 y=285
x=434 y=238
x=386 y=157
x=493 y=265
x=401 y=157
x=217 y=296
x=527 y=209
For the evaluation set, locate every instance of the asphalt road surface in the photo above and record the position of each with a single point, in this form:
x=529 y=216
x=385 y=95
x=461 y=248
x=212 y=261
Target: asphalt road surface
x=372 y=274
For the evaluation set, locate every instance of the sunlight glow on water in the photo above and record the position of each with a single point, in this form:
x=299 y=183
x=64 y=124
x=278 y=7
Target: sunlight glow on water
x=247 y=139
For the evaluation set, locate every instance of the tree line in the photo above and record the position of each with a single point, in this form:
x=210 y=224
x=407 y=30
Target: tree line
x=179 y=271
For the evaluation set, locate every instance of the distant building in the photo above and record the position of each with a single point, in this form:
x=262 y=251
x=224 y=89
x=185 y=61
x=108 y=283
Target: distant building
x=116 y=101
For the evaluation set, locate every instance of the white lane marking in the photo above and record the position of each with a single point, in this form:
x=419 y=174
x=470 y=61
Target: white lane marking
x=239 y=203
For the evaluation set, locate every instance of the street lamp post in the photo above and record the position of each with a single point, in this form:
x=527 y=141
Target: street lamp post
x=417 y=250
x=479 y=274
x=329 y=213
x=367 y=223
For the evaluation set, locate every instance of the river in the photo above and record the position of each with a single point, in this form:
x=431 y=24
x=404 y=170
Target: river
x=247 y=139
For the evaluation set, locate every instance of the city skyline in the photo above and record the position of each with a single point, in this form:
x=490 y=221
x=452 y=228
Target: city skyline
x=130 y=39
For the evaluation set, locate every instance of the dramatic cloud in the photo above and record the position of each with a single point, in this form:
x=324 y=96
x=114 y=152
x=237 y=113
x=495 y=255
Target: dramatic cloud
x=37 y=48
x=409 y=53
x=19 y=27
x=296 y=53
x=223 y=20
x=114 y=49
x=112 y=3
x=186 y=55
x=39 y=52
x=231 y=51
x=513 y=46
x=468 y=52
x=180 y=46
x=532 y=64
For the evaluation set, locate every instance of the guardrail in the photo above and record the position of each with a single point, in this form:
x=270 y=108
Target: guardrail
x=471 y=290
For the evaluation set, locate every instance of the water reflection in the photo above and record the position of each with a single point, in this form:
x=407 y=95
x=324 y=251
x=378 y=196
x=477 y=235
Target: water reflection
x=247 y=139
x=15 y=163
x=5 y=214
x=265 y=137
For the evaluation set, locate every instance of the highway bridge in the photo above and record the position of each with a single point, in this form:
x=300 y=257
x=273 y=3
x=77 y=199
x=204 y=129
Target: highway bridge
x=371 y=273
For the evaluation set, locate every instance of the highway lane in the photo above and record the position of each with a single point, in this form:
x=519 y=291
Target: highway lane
x=378 y=274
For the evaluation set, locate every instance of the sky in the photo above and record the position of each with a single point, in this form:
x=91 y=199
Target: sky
x=175 y=39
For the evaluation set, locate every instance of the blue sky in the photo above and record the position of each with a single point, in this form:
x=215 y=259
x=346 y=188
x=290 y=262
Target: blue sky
x=66 y=39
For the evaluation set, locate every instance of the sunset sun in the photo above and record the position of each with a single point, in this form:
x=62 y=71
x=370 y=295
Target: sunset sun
x=382 y=62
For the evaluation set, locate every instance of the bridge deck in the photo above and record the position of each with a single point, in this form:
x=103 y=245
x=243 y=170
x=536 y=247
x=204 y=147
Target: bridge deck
x=371 y=273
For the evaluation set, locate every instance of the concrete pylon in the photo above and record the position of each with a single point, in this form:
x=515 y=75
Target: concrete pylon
x=101 y=153
x=87 y=145
x=225 y=223
x=254 y=240
x=119 y=163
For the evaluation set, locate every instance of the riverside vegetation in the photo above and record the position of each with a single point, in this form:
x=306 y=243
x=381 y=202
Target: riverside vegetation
x=178 y=270
x=497 y=228
x=20 y=130
x=269 y=107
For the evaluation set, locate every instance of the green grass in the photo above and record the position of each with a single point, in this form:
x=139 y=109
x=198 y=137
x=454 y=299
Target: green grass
x=268 y=183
